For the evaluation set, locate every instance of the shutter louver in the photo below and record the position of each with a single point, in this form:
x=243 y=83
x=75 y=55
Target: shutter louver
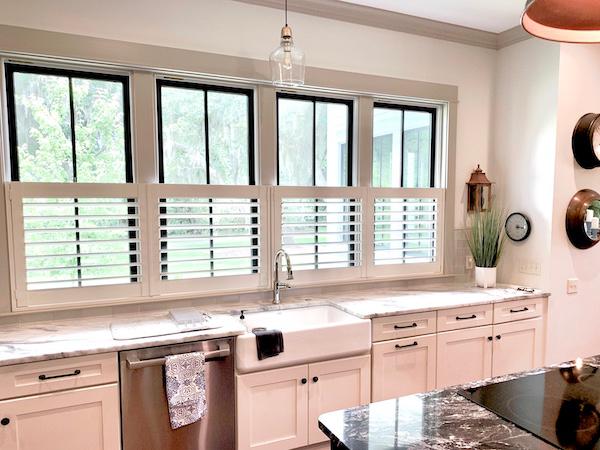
x=77 y=242
x=322 y=233
x=405 y=230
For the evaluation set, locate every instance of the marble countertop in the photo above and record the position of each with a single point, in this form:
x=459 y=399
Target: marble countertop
x=437 y=420
x=36 y=341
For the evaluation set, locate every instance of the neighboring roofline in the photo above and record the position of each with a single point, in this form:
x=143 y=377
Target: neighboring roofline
x=389 y=20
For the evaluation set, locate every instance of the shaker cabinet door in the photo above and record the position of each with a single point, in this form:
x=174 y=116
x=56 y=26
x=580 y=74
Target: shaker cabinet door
x=77 y=419
x=272 y=409
x=334 y=385
x=464 y=356
x=518 y=346
x=403 y=367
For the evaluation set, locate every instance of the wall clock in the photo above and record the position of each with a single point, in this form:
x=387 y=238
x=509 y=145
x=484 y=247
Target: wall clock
x=518 y=227
x=586 y=141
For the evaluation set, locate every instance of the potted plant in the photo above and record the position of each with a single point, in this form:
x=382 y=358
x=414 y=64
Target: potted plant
x=485 y=238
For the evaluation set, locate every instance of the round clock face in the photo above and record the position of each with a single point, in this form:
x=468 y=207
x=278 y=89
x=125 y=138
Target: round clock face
x=517 y=227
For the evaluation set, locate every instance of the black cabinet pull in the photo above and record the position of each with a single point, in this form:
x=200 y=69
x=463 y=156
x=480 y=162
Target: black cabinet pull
x=46 y=377
x=402 y=327
x=498 y=337
x=519 y=310
x=466 y=318
x=315 y=379
x=5 y=421
x=490 y=338
x=304 y=381
x=414 y=344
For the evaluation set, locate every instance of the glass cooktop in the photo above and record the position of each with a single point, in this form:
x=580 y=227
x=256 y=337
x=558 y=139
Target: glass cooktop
x=560 y=406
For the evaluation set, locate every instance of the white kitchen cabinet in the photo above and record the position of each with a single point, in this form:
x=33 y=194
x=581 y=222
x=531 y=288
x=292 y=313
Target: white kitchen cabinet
x=403 y=367
x=86 y=418
x=464 y=356
x=272 y=409
x=334 y=385
x=279 y=409
x=518 y=346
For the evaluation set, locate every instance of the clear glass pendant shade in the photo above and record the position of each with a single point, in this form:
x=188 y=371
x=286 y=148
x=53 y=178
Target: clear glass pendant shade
x=287 y=62
x=575 y=21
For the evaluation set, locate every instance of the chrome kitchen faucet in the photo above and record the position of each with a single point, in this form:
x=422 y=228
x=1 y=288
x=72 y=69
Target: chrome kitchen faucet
x=278 y=285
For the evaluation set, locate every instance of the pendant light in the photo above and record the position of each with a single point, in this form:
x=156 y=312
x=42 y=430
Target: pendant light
x=576 y=21
x=287 y=61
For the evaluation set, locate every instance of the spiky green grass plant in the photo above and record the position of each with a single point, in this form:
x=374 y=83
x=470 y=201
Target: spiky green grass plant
x=485 y=236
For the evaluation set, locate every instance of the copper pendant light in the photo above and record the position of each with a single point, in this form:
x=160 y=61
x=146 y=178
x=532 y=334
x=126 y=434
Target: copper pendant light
x=576 y=21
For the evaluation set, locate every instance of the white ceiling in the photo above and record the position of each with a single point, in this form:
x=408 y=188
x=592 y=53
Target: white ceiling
x=488 y=15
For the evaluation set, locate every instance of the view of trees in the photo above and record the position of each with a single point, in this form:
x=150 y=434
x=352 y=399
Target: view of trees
x=44 y=134
x=183 y=136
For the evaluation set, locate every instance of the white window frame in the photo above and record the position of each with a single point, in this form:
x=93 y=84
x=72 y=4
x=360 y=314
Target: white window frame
x=206 y=285
x=23 y=298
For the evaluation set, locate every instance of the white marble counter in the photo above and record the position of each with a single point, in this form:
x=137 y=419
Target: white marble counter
x=35 y=341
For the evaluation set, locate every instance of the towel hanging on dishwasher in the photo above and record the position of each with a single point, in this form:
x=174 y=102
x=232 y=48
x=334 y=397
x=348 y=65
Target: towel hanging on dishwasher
x=186 y=388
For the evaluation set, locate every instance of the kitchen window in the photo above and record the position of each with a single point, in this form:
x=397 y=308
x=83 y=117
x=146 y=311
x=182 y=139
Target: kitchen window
x=74 y=226
x=68 y=126
x=404 y=146
x=314 y=141
x=205 y=134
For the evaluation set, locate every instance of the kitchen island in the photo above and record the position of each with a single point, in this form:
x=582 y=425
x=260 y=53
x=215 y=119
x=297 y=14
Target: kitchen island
x=434 y=420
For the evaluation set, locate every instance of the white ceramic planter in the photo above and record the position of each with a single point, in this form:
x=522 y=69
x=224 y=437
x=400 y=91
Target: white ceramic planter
x=485 y=277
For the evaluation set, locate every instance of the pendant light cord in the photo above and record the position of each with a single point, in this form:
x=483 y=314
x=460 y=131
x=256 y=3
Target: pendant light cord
x=286 y=22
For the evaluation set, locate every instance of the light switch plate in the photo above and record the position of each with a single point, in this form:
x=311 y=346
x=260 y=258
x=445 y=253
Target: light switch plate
x=469 y=263
x=572 y=285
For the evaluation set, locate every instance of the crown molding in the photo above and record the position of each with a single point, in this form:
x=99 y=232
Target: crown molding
x=512 y=36
x=404 y=23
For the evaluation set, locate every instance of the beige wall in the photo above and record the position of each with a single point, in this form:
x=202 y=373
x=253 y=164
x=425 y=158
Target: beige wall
x=573 y=318
x=522 y=162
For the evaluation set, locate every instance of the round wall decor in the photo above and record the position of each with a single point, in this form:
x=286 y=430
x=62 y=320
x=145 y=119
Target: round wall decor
x=583 y=219
x=586 y=141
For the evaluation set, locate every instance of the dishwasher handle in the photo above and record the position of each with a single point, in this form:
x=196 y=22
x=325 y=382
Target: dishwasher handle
x=223 y=351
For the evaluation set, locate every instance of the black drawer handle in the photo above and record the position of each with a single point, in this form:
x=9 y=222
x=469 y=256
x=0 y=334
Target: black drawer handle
x=304 y=381
x=466 y=318
x=73 y=374
x=519 y=310
x=403 y=327
x=414 y=344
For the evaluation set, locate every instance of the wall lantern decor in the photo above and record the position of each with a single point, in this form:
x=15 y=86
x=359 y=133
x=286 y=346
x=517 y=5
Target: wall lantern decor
x=583 y=219
x=287 y=61
x=576 y=21
x=479 y=191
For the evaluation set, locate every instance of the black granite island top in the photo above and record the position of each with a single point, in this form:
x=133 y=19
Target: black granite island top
x=437 y=420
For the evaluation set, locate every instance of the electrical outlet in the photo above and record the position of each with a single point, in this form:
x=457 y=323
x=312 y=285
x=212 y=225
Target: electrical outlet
x=530 y=267
x=572 y=285
x=469 y=263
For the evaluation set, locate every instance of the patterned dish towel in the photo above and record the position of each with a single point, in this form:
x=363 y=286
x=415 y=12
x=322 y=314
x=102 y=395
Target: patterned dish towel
x=186 y=388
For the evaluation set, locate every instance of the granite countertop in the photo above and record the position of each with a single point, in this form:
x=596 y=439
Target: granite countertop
x=437 y=420
x=37 y=341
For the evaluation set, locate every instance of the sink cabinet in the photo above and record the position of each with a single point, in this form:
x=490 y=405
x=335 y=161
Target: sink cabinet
x=279 y=409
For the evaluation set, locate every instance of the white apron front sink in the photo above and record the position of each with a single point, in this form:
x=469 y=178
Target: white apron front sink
x=313 y=333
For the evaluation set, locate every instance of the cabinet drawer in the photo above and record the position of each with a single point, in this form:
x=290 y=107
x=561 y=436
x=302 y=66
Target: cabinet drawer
x=466 y=317
x=518 y=309
x=57 y=374
x=395 y=327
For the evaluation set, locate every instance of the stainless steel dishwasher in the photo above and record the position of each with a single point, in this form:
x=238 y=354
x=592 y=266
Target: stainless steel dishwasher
x=145 y=415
